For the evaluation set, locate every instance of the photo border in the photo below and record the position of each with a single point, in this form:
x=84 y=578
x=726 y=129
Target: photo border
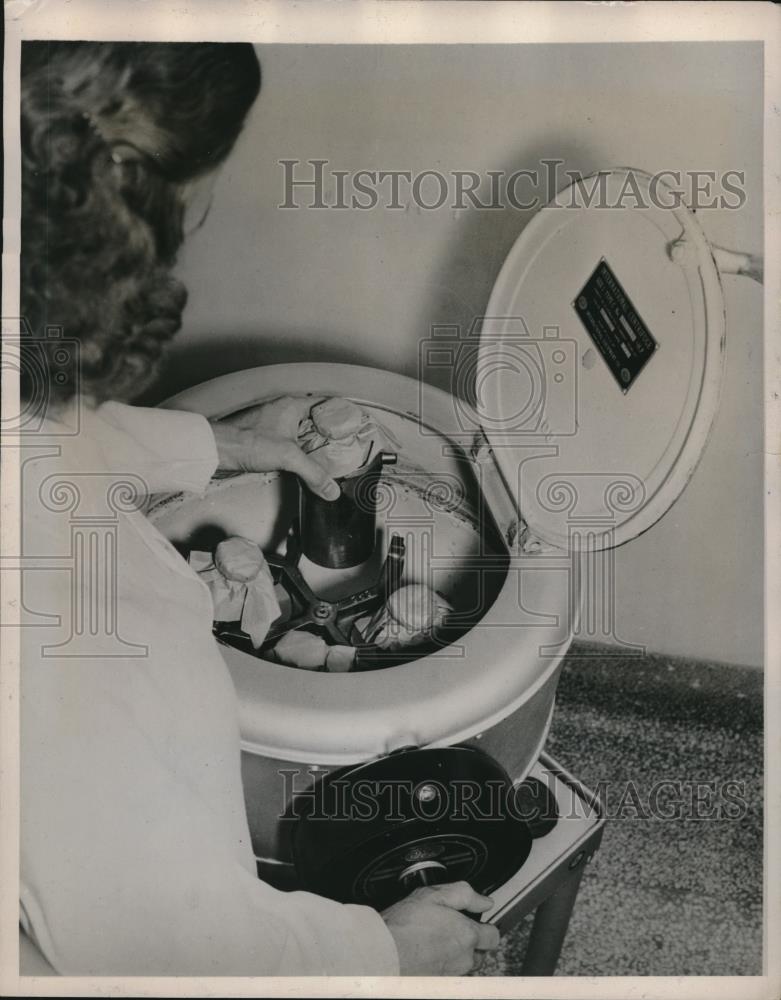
x=270 y=21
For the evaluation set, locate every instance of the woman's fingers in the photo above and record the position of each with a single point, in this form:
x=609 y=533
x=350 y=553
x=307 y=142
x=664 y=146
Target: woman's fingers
x=292 y=459
x=460 y=896
x=278 y=417
x=461 y=966
x=433 y=937
x=244 y=449
x=487 y=937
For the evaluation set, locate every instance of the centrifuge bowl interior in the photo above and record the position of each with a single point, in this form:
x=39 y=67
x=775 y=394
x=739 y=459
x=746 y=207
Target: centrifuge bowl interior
x=459 y=523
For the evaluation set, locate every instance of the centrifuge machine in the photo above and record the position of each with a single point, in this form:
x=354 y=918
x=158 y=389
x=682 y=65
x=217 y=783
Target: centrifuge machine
x=594 y=379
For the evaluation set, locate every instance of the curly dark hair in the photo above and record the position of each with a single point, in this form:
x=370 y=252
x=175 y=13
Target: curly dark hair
x=111 y=135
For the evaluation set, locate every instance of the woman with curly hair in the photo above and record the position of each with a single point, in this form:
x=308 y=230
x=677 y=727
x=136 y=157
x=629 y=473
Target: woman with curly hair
x=135 y=850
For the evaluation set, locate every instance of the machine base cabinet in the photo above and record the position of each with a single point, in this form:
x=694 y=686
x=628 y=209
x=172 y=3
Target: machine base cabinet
x=566 y=822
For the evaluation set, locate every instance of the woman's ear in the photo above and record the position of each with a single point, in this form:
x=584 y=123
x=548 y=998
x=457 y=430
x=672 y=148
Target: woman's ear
x=197 y=196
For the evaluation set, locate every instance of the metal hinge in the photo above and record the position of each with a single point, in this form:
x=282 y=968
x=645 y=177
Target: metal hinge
x=528 y=543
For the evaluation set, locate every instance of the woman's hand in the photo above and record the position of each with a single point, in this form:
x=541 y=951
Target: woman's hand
x=263 y=439
x=432 y=937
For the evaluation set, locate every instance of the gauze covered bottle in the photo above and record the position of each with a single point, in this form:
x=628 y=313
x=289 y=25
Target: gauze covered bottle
x=241 y=586
x=411 y=615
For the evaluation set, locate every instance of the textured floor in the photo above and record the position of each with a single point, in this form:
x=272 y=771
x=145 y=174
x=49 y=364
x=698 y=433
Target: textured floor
x=663 y=896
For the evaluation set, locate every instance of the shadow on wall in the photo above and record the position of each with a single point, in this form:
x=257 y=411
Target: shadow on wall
x=190 y=364
x=466 y=274
x=454 y=292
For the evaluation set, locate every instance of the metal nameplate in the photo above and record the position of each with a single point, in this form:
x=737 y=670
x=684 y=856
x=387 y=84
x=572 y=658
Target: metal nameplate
x=616 y=328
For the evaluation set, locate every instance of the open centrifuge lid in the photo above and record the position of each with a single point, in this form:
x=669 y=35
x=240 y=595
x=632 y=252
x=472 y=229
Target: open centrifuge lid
x=600 y=360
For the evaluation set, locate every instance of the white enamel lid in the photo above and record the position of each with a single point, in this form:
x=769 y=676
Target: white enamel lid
x=600 y=360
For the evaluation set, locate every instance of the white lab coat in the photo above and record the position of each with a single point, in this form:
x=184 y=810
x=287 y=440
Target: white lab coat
x=135 y=851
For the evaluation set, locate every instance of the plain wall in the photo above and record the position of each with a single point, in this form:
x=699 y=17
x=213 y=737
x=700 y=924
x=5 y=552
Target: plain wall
x=270 y=285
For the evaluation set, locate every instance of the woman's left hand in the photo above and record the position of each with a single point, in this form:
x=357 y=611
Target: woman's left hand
x=263 y=439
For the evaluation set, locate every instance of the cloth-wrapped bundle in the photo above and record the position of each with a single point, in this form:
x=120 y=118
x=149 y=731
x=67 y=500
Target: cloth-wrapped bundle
x=409 y=616
x=241 y=586
x=342 y=437
x=310 y=652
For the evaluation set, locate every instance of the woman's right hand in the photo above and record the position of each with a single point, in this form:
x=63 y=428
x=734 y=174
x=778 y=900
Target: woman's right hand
x=262 y=438
x=432 y=937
